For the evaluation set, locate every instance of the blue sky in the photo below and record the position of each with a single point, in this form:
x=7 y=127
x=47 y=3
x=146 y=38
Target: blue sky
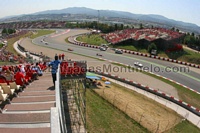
x=183 y=10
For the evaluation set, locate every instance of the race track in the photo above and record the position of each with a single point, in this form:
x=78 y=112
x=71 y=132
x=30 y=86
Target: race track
x=187 y=76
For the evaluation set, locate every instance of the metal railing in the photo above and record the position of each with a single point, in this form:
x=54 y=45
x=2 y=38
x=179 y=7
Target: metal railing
x=58 y=123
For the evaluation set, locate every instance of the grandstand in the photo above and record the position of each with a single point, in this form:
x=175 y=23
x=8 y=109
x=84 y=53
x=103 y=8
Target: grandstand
x=164 y=39
x=34 y=24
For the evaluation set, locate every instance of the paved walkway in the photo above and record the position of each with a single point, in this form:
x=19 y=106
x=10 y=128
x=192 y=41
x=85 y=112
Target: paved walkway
x=196 y=51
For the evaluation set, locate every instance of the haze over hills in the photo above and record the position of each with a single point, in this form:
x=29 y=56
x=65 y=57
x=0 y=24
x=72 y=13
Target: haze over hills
x=151 y=18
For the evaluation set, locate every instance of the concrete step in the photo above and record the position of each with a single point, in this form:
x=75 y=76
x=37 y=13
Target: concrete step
x=29 y=107
x=36 y=93
x=39 y=88
x=25 y=130
x=25 y=118
x=32 y=99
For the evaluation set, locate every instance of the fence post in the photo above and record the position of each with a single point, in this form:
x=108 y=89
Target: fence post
x=167 y=125
x=177 y=108
x=103 y=91
x=198 y=123
x=126 y=106
x=166 y=103
x=141 y=117
x=114 y=99
x=157 y=130
x=186 y=115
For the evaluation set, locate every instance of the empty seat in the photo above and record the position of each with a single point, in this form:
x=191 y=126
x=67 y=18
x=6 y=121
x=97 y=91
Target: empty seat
x=7 y=90
x=13 y=85
x=3 y=84
x=3 y=97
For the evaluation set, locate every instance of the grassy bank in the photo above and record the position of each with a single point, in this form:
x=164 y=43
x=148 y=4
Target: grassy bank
x=13 y=40
x=102 y=117
x=6 y=63
x=186 y=56
x=185 y=95
x=41 y=33
x=92 y=39
x=184 y=127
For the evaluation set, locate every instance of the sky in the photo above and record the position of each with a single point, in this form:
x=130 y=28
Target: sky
x=182 y=10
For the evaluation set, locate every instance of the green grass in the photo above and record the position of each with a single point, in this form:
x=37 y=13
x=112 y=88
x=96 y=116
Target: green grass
x=66 y=40
x=42 y=33
x=92 y=39
x=13 y=40
x=184 y=94
x=1 y=45
x=6 y=63
x=130 y=47
x=184 y=127
x=102 y=117
x=186 y=56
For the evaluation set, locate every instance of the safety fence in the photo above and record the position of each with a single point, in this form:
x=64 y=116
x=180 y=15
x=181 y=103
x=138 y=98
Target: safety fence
x=154 y=91
x=153 y=120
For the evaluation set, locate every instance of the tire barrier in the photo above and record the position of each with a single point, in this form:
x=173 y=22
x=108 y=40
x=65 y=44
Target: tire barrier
x=73 y=40
x=153 y=91
x=20 y=47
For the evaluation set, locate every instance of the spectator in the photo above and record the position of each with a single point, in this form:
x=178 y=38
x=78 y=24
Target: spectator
x=54 y=66
x=63 y=56
x=38 y=69
x=9 y=76
x=60 y=56
x=22 y=69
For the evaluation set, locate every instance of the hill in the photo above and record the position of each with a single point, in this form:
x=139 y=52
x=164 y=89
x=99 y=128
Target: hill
x=152 y=19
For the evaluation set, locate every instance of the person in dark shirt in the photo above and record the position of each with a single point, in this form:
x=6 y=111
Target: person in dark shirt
x=54 y=66
x=63 y=56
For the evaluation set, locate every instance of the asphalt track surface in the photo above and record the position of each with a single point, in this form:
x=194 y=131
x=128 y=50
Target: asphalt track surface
x=185 y=75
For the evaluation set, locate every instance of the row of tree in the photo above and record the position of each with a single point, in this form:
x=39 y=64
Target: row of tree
x=105 y=28
x=8 y=31
x=192 y=40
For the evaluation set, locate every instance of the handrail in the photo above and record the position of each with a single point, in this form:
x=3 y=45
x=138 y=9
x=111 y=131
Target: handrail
x=61 y=124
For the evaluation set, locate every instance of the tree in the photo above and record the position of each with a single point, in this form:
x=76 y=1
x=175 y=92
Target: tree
x=4 y=31
x=192 y=33
x=116 y=27
x=122 y=27
x=189 y=40
x=11 y=31
x=151 y=47
x=141 y=26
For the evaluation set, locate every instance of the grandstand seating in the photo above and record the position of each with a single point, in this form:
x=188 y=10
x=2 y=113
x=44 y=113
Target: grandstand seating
x=138 y=34
x=8 y=87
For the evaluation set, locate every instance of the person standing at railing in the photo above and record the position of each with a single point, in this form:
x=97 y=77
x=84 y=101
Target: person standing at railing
x=54 y=66
x=63 y=56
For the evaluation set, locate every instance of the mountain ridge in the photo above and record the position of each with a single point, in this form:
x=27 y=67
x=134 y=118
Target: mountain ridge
x=154 y=18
